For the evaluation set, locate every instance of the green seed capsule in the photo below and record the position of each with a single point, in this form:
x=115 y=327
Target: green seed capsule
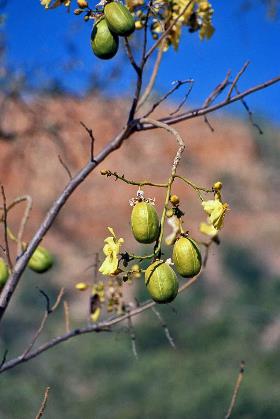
x=41 y=260
x=187 y=257
x=119 y=19
x=144 y=223
x=104 y=43
x=4 y=273
x=161 y=282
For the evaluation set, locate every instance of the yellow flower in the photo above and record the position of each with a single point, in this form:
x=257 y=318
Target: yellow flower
x=111 y=251
x=95 y=315
x=208 y=229
x=50 y=4
x=216 y=211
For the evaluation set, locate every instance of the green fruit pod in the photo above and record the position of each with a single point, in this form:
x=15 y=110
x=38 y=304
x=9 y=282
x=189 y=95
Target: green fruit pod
x=144 y=223
x=41 y=260
x=104 y=43
x=186 y=257
x=161 y=282
x=119 y=19
x=4 y=273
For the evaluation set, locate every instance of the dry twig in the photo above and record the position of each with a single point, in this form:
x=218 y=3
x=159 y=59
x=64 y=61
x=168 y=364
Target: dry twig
x=236 y=390
x=43 y=404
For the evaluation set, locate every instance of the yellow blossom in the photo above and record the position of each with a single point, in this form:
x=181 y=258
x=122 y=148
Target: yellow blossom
x=216 y=211
x=50 y=4
x=208 y=229
x=111 y=251
x=95 y=315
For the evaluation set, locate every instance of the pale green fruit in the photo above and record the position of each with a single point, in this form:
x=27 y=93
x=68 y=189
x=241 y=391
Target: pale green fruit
x=119 y=19
x=144 y=223
x=186 y=257
x=161 y=282
x=41 y=260
x=4 y=273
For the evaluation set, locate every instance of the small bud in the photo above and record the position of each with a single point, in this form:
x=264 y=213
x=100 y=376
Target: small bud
x=174 y=199
x=77 y=12
x=82 y=4
x=81 y=286
x=138 y=24
x=169 y=213
x=86 y=18
x=217 y=186
x=135 y=268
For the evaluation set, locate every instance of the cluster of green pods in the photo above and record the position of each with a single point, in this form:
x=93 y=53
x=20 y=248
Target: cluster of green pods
x=160 y=279
x=116 y=21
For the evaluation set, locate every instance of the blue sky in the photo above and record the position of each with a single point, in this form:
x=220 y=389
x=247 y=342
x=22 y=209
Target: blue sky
x=38 y=37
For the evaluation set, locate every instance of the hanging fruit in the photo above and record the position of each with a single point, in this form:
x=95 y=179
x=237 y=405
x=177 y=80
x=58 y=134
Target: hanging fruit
x=4 y=273
x=144 y=222
x=119 y=19
x=161 y=282
x=41 y=260
x=104 y=43
x=186 y=257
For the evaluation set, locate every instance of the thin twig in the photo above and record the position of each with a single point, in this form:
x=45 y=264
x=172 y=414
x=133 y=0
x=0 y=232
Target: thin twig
x=44 y=404
x=66 y=316
x=64 y=165
x=237 y=77
x=49 y=310
x=132 y=337
x=152 y=80
x=92 y=140
x=130 y=55
x=198 y=112
x=23 y=222
x=250 y=113
x=236 y=390
x=217 y=91
x=108 y=173
x=165 y=328
x=177 y=85
x=181 y=104
x=4 y=358
x=5 y=224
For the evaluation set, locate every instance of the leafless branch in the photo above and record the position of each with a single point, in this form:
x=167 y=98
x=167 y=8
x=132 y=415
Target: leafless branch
x=130 y=55
x=249 y=112
x=152 y=80
x=4 y=358
x=165 y=328
x=177 y=85
x=64 y=165
x=132 y=336
x=236 y=390
x=92 y=140
x=105 y=326
x=49 y=310
x=5 y=224
x=43 y=404
x=235 y=81
x=23 y=222
x=66 y=316
x=181 y=104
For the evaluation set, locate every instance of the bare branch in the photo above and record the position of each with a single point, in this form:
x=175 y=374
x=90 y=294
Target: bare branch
x=23 y=223
x=235 y=81
x=4 y=358
x=152 y=80
x=44 y=404
x=5 y=224
x=105 y=326
x=130 y=55
x=132 y=336
x=66 y=316
x=250 y=113
x=194 y=113
x=177 y=85
x=92 y=140
x=64 y=165
x=165 y=328
x=236 y=390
